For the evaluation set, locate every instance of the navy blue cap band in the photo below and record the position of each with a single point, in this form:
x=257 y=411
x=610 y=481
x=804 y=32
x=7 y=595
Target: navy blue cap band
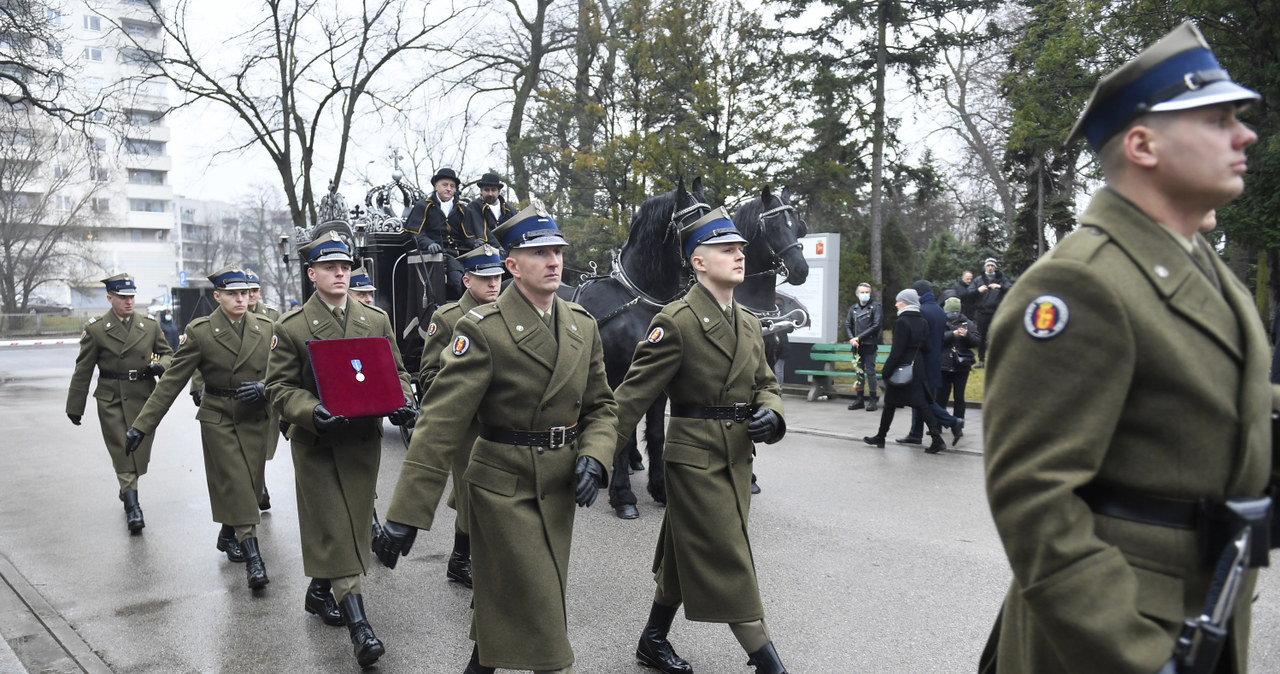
x=712 y=228
x=1138 y=96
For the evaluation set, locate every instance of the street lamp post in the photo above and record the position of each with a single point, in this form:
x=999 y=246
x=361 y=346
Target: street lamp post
x=284 y=270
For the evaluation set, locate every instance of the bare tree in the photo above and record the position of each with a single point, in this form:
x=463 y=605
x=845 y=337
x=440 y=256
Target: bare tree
x=303 y=75
x=34 y=72
x=50 y=193
x=264 y=219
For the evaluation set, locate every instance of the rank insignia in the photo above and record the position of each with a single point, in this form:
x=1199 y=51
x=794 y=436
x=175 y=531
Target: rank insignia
x=460 y=345
x=1045 y=317
x=275 y=339
x=431 y=329
x=656 y=336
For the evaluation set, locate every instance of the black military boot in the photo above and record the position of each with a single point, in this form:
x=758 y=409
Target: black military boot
x=874 y=440
x=227 y=543
x=132 y=511
x=474 y=667
x=320 y=602
x=873 y=404
x=766 y=660
x=254 y=569
x=264 y=502
x=654 y=649
x=858 y=402
x=367 y=648
x=459 y=568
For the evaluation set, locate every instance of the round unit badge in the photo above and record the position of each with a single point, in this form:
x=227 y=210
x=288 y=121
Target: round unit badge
x=275 y=339
x=460 y=345
x=182 y=339
x=655 y=336
x=1046 y=316
x=431 y=329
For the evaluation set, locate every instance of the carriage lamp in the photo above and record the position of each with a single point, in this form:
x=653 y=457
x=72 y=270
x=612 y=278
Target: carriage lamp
x=362 y=234
x=284 y=248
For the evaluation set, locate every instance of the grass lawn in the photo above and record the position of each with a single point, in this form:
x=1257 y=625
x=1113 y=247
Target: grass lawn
x=973 y=391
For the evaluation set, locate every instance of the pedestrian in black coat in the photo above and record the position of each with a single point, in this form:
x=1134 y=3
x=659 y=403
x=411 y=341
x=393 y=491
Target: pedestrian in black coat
x=910 y=340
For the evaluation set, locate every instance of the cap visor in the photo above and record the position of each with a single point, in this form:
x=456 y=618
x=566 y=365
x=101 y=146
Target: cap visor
x=543 y=241
x=1212 y=94
x=723 y=238
x=332 y=257
x=486 y=271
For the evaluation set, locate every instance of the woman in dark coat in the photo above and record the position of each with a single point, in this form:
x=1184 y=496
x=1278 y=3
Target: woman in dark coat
x=910 y=340
x=958 y=342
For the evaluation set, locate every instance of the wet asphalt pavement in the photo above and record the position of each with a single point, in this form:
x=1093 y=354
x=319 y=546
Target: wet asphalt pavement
x=869 y=560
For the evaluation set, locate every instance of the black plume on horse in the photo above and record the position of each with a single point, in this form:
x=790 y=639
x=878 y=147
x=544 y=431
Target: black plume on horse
x=648 y=274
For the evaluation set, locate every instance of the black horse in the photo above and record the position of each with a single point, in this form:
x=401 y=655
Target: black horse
x=648 y=273
x=772 y=228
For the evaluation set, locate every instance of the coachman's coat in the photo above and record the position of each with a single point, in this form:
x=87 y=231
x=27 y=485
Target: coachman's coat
x=336 y=472
x=1155 y=384
x=508 y=369
x=697 y=357
x=106 y=346
x=231 y=432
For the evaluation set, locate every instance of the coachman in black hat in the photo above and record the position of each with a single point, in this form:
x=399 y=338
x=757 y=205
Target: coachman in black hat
x=486 y=213
x=437 y=225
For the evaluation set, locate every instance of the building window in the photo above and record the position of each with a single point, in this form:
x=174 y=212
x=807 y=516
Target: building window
x=61 y=171
x=93 y=22
x=55 y=48
x=150 y=148
x=63 y=203
x=101 y=205
x=99 y=144
x=145 y=118
x=100 y=174
x=92 y=83
x=147 y=205
x=93 y=54
x=53 y=16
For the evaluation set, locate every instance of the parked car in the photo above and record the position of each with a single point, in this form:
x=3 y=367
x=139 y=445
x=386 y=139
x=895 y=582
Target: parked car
x=41 y=305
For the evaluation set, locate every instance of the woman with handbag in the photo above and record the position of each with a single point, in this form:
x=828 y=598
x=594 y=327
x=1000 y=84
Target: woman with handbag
x=958 y=342
x=904 y=378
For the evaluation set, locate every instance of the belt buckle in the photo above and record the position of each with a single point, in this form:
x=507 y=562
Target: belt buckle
x=134 y=375
x=741 y=411
x=552 y=441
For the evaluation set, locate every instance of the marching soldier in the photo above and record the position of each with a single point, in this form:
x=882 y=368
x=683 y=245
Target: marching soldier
x=362 y=286
x=483 y=215
x=335 y=459
x=1128 y=410
x=229 y=348
x=530 y=369
x=129 y=352
x=706 y=353
x=256 y=305
x=483 y=281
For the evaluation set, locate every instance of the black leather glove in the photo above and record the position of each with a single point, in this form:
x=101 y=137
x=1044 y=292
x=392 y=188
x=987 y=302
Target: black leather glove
x=764 y=426
x=589 y=475
x=406 y=414
x=251 y=392
x=395 y=542
x=132 y=439
x=284 y=429
x=196 y=396
x=153 y=370
x=325 y=421
x=75 y=418
x=433 y=248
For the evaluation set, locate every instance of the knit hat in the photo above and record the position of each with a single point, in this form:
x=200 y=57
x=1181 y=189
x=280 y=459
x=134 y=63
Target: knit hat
x=990 y=260
x=952 y=305
x=910 y=297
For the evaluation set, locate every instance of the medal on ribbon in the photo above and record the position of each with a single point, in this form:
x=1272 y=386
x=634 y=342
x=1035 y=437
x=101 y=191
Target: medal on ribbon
x=357 y=366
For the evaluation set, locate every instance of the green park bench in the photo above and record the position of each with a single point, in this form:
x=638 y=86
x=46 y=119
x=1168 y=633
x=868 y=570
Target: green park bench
x=821 y=381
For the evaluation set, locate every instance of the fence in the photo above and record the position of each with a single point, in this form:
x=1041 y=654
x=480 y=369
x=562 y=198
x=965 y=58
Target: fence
x=27 y=326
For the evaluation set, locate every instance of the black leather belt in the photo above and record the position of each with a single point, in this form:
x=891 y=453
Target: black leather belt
x=1156 y=510
x=220 y=392
x=552 y=438
x=131 y=375
x=736 y=412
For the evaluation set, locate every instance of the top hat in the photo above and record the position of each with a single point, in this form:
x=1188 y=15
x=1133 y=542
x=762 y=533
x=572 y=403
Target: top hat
x=489 y=180
x=230 y=278
x=1177 y=73
x=714 y=227
x=360 y=281
x=121 y=284
x=530 y=228
x=445 y=173
x=327 y=248
x=483 y=260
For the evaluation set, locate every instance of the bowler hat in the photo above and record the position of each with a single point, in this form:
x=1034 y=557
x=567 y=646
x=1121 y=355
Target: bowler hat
x=490 y=180
x=444 y=173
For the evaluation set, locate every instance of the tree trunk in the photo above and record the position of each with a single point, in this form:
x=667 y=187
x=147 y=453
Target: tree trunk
x=877 y=147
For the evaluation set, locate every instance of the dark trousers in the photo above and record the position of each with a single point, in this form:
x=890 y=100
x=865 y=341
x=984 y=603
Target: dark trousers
x=954 y=382
x=984 y=327
x=927 y=412
x=867 y=353
x=933 y=409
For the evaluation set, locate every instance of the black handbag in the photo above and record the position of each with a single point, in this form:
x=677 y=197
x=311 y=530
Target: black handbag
x=902 y=375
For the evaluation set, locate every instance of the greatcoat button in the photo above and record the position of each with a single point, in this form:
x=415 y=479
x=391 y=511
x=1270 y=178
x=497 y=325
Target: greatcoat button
x=728 y=424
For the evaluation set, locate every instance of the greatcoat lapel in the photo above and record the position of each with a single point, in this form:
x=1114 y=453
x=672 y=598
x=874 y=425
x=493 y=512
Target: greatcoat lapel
x=136 y=333
x=320 y=321
x=713 y=321
x=741 y=354
x=359 y=319
x=224 y=333
x=571 y=342
x=527 y=330
x=112 y=328
x=253 y=335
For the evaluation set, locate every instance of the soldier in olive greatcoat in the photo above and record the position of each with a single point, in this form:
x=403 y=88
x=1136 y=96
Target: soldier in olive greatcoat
x=706 y=353
x=530 y=369
x=129 y=351
x=229 y=348
x=1127 y=404
x=335 y=459
x=270 y=441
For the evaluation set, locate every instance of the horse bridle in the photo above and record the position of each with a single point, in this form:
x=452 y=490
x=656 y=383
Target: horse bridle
x=780 y=266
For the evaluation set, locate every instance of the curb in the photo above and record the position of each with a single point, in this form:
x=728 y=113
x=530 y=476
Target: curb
x=46 y=631
x=41 y=342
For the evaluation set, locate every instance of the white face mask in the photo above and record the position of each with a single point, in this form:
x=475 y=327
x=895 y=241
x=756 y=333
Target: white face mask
x=863 y=297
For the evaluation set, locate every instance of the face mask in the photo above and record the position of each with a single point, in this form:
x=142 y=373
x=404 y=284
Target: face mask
x=863 y=298
x=953 y=315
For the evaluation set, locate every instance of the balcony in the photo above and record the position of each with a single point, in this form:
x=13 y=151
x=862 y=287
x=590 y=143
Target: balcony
x=142 y=161
x=151 y=192
x=145 y=220
x=159 y=134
